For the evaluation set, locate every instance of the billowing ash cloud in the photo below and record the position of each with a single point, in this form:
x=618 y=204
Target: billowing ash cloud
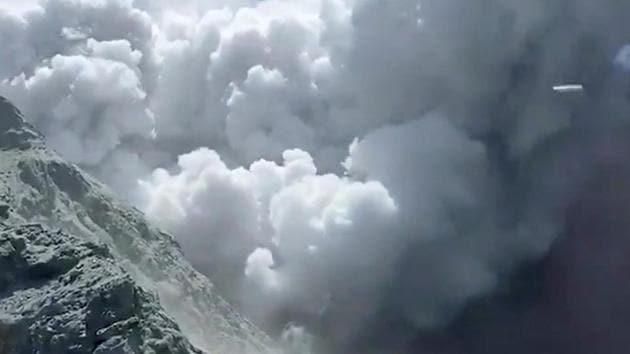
x=338 y=167
x=86 y=105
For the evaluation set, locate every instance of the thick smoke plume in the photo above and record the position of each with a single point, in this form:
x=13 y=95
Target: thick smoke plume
x=338 y=167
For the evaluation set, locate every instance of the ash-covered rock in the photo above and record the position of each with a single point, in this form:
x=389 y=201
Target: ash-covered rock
x=14 y=132
x=110 y=297
x=60 y=294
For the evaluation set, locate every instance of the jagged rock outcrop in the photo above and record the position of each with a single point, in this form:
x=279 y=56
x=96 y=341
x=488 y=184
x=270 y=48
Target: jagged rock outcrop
x=105 y=249
x=64 y=295
x=14 y=132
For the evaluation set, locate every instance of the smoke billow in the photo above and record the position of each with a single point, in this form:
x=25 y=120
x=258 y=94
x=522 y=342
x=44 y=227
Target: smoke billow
x=352 y=174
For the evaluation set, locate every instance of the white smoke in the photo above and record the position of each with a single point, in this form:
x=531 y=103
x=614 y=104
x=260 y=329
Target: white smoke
x=296 y=340
x=306 y=236
x=85 y=105
x=324 y=161
x=623 y=57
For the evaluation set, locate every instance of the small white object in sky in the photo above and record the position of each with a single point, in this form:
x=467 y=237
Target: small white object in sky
x=568 y=88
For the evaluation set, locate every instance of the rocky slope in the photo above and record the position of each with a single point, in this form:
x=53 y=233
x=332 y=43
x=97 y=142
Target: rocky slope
x=83 y=271
x=65 y=295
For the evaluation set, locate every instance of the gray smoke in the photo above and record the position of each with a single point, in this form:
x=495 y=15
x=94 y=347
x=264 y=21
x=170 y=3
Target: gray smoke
x=337 y=164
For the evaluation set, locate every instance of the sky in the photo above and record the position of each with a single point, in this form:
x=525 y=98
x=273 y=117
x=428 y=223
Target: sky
x=342 y=168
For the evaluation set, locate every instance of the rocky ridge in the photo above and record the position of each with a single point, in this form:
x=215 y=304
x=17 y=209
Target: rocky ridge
x=82 y=270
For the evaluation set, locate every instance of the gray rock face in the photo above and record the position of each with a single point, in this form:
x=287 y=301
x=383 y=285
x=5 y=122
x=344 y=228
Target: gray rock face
x=14 y=133
x=108 y=282
x=63 y=295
